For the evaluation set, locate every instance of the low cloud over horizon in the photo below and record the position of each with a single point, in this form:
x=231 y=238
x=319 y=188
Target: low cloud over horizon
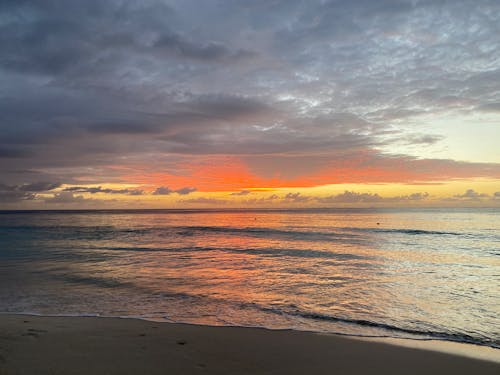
x=99 y=197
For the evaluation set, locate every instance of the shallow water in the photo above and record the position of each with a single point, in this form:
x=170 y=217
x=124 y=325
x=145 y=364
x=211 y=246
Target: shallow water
x=401 y=273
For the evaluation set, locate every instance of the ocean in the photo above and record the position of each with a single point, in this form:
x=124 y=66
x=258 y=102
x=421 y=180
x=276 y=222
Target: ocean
x=417 y=273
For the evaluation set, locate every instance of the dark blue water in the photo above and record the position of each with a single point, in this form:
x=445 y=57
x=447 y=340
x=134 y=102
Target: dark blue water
x=423 y=274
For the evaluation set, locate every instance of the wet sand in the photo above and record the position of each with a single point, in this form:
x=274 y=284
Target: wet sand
x=81 y=345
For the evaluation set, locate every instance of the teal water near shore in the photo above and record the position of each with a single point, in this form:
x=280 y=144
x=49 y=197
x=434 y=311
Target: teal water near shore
x=422 y=274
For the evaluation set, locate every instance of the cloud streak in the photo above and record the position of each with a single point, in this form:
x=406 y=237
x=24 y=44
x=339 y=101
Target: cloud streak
x=163 y=190
x=99 y=189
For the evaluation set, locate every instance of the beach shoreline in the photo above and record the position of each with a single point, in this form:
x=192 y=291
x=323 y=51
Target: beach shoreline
x=32 y=344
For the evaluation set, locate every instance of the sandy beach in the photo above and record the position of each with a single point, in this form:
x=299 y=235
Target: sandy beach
x=84 y=345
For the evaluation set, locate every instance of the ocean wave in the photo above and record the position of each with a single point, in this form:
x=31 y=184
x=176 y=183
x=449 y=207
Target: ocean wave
x=341 y=233
x=427 y=334
x=274 y=252
x=100 y=232
x=102 y=282
x=270 y=232
x=414 y=232
x=408 y=231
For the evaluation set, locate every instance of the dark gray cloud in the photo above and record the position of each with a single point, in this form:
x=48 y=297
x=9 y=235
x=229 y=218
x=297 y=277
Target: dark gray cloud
x=164 y=190
x=12 y=196
x=241 y=192
x=172 y=44
x=7 y=153
x=289 y=86
x=420 y=139
x=99 y=189
x=16 y=193
x=39 y=186
x=185 y=190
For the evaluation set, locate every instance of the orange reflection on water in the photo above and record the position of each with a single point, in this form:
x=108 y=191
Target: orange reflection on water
x=340 y=264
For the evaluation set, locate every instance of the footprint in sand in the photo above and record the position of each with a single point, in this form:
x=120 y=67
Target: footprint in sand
x=37 y=330
x=31 y=334
x=35 y=333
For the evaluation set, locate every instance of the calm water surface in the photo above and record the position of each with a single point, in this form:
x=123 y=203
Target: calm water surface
x=402 y=273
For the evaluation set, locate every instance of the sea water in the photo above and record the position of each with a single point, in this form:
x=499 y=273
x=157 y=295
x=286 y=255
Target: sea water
x=419 y=273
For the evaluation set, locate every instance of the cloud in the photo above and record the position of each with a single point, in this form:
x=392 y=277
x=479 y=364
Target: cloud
x=232 y=173
x=241 y=192
x=67 y=197
x=173 y=44
x=7 y=196
x=299 y=94
x=421 y=139
x=351 y=197
x=185 y=190
x=416 y=196
x=296 y=198
x=99 y=189
x=264 y=200
x=471 y=194
x=40 y=186
x=490 y=107
x=204 y=200
x=163 y=190
x=53 y=42
x=31 y=187
x=13 y=153
x=355 y=197
x=23 y=192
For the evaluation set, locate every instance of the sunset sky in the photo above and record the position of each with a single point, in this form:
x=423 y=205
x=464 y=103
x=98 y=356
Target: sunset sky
x=187 y=104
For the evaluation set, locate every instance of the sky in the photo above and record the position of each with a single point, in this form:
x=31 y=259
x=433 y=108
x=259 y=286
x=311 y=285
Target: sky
x=265 y=103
